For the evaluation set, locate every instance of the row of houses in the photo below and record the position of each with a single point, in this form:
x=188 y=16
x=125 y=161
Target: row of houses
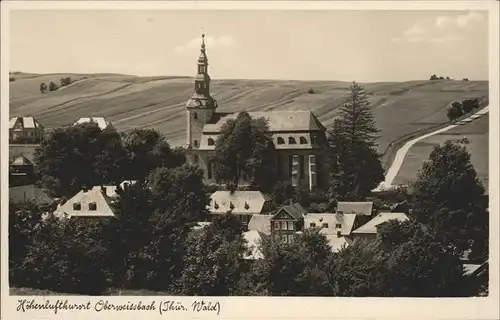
x=29 y=130
x=260 y=216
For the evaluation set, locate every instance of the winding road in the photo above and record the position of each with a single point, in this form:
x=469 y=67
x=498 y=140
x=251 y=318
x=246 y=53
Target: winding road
x=401 y=153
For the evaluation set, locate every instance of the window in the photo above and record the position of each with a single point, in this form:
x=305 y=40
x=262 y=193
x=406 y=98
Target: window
x=77 y=206
x=92 y=206
x=312 y=225
x=283 y=225
x=284 y=238
x=303 y=140
x=302 y=167
x=291 y=140
x=290 y=166
x=195 y=143
x=338 y=225
x=313 y=138
x=281 y=140
x=209 y=169
x=211 y=142
x=290 y=225
x=195 y=115
x=276 y=225
x=290 y=238
x=325 y=225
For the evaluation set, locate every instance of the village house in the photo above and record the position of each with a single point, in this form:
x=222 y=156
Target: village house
x=21 y=171
x=287 y=221
x=369 y=230
x=243 y=204
x=89 y=203
x=25 y=130
x=299 y=137
x=100 y=121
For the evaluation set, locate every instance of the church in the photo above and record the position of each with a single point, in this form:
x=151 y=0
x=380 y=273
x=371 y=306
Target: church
x=299 y=137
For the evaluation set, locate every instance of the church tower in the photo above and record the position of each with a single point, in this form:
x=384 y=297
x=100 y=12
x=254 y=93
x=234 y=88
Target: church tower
x=201 y=106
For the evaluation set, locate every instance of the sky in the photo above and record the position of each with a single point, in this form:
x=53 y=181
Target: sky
x=251 y=44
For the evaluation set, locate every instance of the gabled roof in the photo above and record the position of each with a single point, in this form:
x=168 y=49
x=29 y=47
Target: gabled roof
x=28 y=192
x=100 y=121
x=242 y=202
x=371 y=226
x=346 y=221
x=21 y=161
x=261 y=223
x=84 y=198
x=253 y=239
x=361 y=208
x=278 y=121
x=24 y=123
x=295 y=210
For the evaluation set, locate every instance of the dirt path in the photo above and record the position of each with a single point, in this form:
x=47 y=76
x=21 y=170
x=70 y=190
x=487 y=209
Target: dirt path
x=393 y=170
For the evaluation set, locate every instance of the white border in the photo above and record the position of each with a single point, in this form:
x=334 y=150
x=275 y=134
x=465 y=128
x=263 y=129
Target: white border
x=273 y=307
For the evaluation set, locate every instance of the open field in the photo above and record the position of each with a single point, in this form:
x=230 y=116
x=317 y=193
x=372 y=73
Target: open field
x=477 y=134
x=130 y=102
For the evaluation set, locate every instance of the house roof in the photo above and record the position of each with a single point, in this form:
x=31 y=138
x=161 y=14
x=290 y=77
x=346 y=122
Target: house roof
x=361 y=208
x=346 y=220
x=84 y=198
x=28 y=192
x=253 y=239
x=337 y=243
x=295 y=210
x=21 y=161
x=371 y=226
x=261 y=223
x=243 y=202
x=101 y=121
x=24 y=123
x=278 y=121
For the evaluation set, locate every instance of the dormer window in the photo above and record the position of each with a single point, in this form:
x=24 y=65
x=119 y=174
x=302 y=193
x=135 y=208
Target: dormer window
x=303 y=140
x=338 y=225
x=216 y=205
x=325 y=225
x=246 y=206
x=312 y=225
x=77 y=206
x=281 y=140
x=211 y=142
x=231 y=205
x=92 y=206
x=291 y=140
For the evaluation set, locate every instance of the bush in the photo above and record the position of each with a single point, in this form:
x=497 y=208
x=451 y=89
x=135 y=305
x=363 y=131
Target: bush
x=52 y=86
x=311 y=91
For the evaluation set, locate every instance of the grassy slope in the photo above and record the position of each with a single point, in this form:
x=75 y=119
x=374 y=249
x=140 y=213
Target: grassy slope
x=476 y=132
x=131 y=102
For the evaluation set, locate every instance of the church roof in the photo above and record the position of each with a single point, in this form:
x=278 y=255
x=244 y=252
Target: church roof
x=278 y=121
x=24 y=123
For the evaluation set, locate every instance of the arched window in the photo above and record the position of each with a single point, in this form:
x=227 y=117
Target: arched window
x=209 y=169
x=195 y=143
x=291 y=140
x=211 y=142
x=195 y=115
x=303 y=140
x=281 y=140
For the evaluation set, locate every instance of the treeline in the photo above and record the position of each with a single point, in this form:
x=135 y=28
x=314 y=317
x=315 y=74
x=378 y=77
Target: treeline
x=150 y=244
x=459 y=109
x=435 y=77
x=64 y=81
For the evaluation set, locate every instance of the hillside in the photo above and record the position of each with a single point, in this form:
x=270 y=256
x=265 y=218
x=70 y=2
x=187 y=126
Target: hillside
x=129 y=102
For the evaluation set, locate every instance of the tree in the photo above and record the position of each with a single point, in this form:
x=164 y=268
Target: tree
x=78 y=156
x=434 y=77
x=355 y=165
x=455 y=111
x=245 y=150
x=179 y=192
x=441 y=78
x=297 y=268
x=52 y=86
x=447 y=78
x=450 y=197
x=468 y=105
x=43 y=87
x=146 y=150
